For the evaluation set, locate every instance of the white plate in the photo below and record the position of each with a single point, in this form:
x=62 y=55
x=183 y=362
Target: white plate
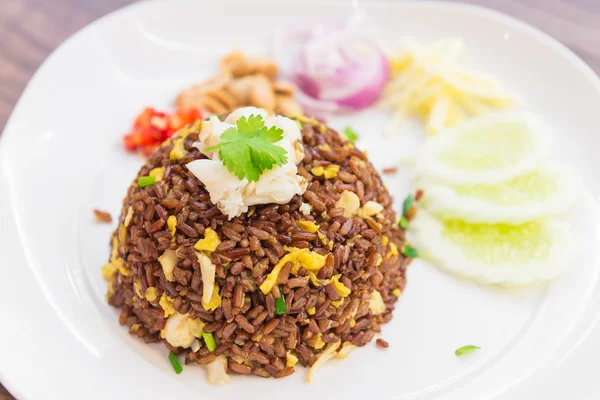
x=61 y=156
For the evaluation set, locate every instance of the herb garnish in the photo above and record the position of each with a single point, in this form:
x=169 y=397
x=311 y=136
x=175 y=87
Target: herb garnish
x=248 y=149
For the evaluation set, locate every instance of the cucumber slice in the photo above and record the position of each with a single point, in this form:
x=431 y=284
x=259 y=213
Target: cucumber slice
x=544 y=192
x=489 y=149
x=500 y=254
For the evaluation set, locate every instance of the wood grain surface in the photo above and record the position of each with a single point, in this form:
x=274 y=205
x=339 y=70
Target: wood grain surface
x=31 y=29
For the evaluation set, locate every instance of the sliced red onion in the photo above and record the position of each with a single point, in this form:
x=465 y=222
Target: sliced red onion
x=334 y=70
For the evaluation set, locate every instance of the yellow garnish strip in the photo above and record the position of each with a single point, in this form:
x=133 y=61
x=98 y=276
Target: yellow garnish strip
x=325 y=356
x=310 y=260
x=426 y=82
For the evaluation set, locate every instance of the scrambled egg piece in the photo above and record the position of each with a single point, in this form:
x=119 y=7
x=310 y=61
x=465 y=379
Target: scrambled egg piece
x=325 y=356
x=166 y=303
x=328 y=172
x=177 y=331
x=397 y=292
x=114 y=252
x=393 y=251
x=217 y=371
x=379 y=260
x=319 y=343
x=150 y=294
x=311 y=311
x=337 y=303
x=341 y=289
x=109 y=269
x=210 y=242
x=172 y=224
x=305 y=209
x=376 y=304
x=168 y=261
x=119 y=264
x=350 y=202
x=137 y=287
x=369 y=209
x=215 y=300
x=346 y=349
x=122 y=234
x=208 y=277
x=157 y=173
x=316 y=281
x=310 y=260
x=128 y=216
x=324 y=240
x=385 y=240
x=291 y=360
x=178 y=151
x=307 y=226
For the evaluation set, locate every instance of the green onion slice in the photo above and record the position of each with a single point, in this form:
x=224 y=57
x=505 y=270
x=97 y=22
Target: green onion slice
x=409 y=251
x=144 y=181
x=408 y=203
x=466 y=350
x=175 y=363
x=403 y=223
x=350 y=134
x=209 y=339
x=280 y=305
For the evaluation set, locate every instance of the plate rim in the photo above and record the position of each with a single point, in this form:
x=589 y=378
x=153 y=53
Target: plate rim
x=473 y=9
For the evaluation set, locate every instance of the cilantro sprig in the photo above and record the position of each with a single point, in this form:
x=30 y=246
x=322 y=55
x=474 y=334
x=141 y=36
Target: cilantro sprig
x=249 y=149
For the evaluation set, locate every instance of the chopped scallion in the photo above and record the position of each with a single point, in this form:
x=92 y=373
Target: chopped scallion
x=410 y=252
x=466 y=350
x=350 y=134
x=403 y=223
x=407 y=205
x=280 y=305
x=175 y=363
x=209 y=339
x=144 y=181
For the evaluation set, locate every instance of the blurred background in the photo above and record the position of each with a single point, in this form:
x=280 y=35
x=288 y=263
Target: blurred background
x=32 y=29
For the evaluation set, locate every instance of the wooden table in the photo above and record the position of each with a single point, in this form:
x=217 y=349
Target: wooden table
x=31 y=29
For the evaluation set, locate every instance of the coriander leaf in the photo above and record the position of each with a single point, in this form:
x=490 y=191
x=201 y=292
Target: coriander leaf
x=466 y=350
x=249 y=149
x=350 y=134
